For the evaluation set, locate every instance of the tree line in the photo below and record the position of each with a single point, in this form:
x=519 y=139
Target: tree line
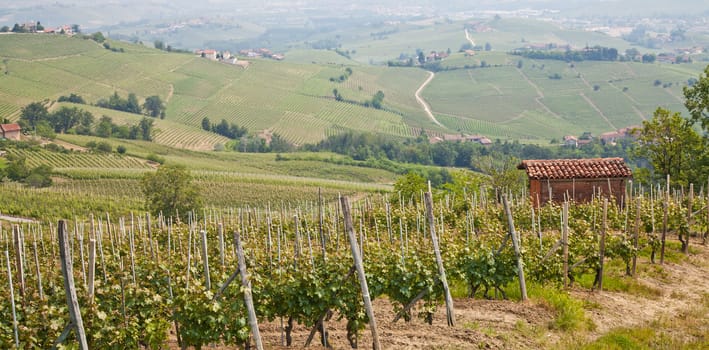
x=596 y=53
x=36 y=117
x=152 y=106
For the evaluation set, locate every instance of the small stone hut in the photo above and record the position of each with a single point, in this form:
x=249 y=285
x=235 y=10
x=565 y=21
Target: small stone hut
x=10 y=131
x=576 y=179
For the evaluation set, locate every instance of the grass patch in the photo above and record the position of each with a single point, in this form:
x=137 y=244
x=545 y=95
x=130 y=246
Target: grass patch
x=625 y=339
x=613 y=282
x=570 y=313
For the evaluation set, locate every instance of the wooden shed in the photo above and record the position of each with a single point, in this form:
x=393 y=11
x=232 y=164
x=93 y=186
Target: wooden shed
x=576 y=179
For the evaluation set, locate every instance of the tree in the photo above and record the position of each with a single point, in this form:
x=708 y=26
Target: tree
x=410 y=186
x=206 y=124
x=132 y=105
x=421 y=57
x=146 y=129
x=170 y=190
x=67 y=117
x=104 y=127
x=672 y=146
x=39 y=176
x=159 y=44
x=98 y=37
x=697 y=99
x=488 y=47
x=33 y=113
x=154 y=106
x=503 y=175
x=73 y=98
x=4 y=29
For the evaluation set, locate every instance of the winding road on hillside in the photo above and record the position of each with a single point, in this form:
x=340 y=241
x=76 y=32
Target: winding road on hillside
x=469 y=38
x=423 y=103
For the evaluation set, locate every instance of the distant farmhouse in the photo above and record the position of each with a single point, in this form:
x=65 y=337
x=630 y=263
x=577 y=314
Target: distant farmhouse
x=579 y=180
x=10 y=131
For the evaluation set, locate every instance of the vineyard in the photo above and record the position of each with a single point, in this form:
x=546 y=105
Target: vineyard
x=148 y=282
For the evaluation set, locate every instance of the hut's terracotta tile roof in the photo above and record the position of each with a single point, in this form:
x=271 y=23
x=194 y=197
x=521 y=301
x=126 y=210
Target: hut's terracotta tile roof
x=576 y=168
x=10 y=127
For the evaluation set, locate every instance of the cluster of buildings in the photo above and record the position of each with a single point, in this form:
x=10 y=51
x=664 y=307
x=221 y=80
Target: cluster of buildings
x=262 y=52
x=461 y=138
x=36 y=27
x=227 y=57
x=607 y=138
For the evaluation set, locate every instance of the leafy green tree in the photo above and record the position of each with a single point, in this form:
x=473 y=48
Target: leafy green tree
x=410 y=186
x=73 y=98
x=697 y=99
x=4 y=29
x=170 y=190
x=672 y=146
x=33 y=113
x=16 y=169
x=132 y=105
x=40 y=176
x=503 y=175
x=206 y=124
x=154 y=107
x=146 y=129
x=98 y=37
x=104 y=127
x=159 y=44
x=104 y=147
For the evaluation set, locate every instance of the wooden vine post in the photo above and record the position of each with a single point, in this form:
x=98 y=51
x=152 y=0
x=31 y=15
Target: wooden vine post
x=246 y=287
x=360 y=271
x=19 y=259
x=70 y=290
x=565 y=240
x=685 y=240
x=602 y=252
x=205 y=260
x=428 y=198
x=515 y=243
x=665 y=209
x=635 y=237
x=12 y=300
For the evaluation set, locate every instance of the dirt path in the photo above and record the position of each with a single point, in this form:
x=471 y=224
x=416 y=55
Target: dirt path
x=423 y=103
x=469 y=38
x=16 y=219
x=540 y=94
x=598 y=110
x=170 y=93
x=680 y=289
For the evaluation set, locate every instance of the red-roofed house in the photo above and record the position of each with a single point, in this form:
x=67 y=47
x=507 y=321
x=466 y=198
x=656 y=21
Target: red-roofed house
x=10 y=131
x=576 y=179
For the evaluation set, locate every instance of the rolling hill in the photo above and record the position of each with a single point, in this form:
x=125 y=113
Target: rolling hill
x=509 y=98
